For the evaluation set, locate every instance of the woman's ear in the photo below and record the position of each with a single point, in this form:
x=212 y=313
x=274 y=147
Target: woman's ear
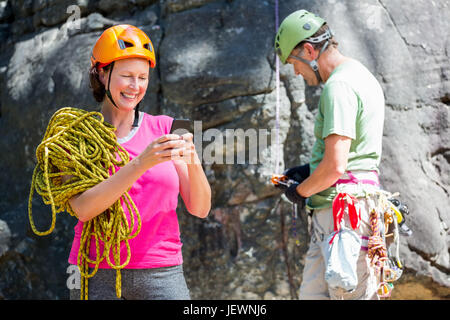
x=102 y=76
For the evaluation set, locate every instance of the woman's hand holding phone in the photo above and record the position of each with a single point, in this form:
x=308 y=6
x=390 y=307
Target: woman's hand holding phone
x=162 y=149
x=189 y=155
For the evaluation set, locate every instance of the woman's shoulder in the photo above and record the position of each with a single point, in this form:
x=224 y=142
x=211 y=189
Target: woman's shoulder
x=163 y=122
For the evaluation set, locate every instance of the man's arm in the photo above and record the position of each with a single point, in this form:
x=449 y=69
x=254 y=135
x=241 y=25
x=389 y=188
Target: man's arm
x=330 y=169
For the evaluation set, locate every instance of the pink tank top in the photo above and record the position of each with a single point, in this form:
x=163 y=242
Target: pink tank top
x=155 y=194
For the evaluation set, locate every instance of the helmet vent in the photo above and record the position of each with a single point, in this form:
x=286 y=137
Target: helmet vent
x=124 y=44
x=147 y=46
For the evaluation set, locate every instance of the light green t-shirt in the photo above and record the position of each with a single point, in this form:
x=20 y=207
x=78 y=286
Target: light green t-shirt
x=351 y=105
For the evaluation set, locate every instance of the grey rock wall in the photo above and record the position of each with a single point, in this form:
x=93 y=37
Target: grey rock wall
x=216 y=64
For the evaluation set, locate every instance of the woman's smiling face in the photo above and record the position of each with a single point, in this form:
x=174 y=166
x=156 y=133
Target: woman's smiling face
x=129 y=81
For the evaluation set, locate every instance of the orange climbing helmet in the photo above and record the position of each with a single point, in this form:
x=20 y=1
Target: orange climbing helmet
x=121 y=42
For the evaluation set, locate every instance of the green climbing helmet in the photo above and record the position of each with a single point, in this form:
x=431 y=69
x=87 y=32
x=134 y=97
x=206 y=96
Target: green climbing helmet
x=296 y=27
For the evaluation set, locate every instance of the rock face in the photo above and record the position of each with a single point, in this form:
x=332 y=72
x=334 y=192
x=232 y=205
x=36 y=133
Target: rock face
x=216 y=65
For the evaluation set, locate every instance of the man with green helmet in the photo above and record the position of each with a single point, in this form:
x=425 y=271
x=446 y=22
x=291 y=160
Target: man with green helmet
x=346 y=155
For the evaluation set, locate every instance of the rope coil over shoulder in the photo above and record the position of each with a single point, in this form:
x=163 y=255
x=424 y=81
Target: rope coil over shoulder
x=79 y=144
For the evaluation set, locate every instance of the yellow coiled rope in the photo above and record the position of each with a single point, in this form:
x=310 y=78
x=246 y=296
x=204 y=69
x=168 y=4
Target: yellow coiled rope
x=81 y=145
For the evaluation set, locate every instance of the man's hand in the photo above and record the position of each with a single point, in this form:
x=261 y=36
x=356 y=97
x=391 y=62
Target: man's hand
x=292 y=194
x=299 y=173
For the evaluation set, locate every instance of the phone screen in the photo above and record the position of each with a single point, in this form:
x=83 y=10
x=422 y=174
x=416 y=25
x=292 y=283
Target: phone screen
x=181 y=126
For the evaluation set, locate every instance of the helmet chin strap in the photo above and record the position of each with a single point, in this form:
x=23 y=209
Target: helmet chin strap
x=313 y=64
x=136 y=116
x=108 y=93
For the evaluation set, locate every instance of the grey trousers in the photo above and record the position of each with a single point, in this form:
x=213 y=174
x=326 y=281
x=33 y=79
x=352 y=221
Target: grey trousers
x=167 y=283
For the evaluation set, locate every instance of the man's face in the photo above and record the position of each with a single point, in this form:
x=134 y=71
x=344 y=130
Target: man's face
x=302 y=68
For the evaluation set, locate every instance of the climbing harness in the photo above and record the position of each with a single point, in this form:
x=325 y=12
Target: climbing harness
x=353 y=180
x=79 y=144
x=386 y=214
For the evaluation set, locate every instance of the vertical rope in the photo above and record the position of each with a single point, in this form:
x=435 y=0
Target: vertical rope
x=277 y=112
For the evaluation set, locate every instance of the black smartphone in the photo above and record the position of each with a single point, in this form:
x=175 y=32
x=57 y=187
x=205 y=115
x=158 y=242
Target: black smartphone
x=181 y=126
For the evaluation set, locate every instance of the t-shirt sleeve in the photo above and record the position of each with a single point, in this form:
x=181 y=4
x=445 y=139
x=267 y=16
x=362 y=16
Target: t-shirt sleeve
x=165 y=123
x=339 y=106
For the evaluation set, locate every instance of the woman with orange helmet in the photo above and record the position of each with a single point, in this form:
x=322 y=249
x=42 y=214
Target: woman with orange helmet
x=161 y=166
